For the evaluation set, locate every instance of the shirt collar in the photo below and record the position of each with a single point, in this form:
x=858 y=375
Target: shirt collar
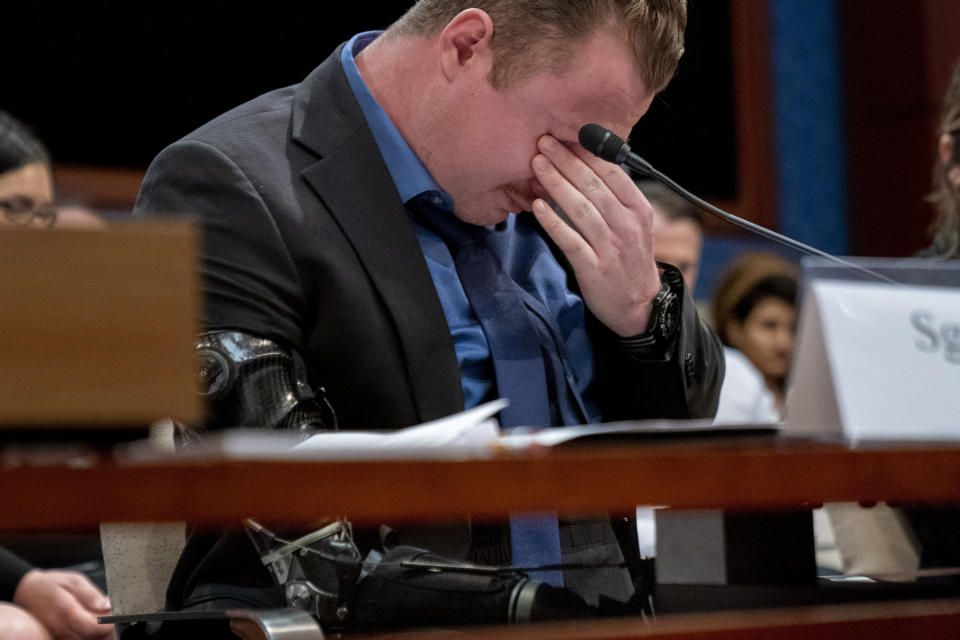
x=409 y=175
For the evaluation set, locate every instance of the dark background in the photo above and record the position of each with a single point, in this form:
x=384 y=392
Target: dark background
x=113 y=87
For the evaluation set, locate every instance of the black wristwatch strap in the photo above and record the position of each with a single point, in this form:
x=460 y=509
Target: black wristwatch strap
x=664 y=320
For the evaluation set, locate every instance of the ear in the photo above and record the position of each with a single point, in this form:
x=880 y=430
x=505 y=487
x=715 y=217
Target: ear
x=464 y=44
x=945 y=148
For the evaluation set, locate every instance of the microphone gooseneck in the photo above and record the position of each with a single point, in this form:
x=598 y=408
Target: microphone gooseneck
x=608 y=146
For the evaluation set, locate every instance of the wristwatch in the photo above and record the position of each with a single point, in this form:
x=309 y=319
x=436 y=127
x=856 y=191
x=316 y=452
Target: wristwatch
x=664 y=320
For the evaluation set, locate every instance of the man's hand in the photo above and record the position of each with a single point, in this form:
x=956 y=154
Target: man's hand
x=611 y=249
x=66 y=603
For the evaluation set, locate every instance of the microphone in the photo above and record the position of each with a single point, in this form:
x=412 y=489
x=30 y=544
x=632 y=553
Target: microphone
x=605 y=144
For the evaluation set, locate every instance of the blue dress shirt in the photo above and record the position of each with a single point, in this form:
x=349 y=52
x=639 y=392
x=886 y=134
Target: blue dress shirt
x=517 y=245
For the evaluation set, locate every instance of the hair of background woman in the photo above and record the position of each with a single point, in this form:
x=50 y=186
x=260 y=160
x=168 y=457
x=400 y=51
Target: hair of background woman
x=18 y=146
x=780 y=287
x=946 y=193
x=734 y=293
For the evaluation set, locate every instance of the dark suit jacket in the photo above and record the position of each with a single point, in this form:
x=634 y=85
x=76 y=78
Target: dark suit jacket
x=12 y=569
x=306 y=242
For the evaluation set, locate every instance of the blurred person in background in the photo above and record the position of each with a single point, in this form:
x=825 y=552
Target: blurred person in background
x=26 y=183
x=946 y=177
x=755 y=300
x=677 y=230
x=35 y=603
x=936 y=529
x=26 y=179
x=893 y=542
x=755 y=316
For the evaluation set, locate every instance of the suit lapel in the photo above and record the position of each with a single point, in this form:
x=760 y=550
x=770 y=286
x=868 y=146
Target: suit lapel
x=353 y=183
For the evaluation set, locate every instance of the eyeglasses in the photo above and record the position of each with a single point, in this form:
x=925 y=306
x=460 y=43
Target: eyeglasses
x=21 y=210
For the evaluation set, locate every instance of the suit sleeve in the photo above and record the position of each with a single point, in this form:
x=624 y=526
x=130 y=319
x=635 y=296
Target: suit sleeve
x=252 y=290
x=250 y=281
x=12 y=570
x=684 y=383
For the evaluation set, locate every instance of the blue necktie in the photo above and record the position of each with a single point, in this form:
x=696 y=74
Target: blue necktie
x=520 y=343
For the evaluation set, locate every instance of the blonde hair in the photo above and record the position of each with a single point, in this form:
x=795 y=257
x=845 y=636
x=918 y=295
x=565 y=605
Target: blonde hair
x=946 y=196
x=533 y=35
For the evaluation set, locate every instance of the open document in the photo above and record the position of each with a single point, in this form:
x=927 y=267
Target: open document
x=471 y=434
x=525 y=438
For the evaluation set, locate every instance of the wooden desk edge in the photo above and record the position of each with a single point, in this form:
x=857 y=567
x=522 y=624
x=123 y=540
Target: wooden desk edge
x=929 y=619
x=578 y=481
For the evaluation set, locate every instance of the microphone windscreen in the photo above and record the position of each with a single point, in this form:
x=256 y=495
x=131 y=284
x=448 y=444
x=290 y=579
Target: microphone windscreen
x=601 y=142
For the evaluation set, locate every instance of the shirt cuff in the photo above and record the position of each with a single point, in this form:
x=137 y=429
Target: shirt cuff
x=644 y=346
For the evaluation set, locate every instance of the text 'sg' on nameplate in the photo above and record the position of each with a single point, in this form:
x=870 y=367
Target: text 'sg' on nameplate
x=877 y=362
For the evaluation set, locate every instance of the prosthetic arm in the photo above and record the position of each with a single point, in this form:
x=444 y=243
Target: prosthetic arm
x=253 y=382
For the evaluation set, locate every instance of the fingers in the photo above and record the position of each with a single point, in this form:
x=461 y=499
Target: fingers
x=617 y=180
x=610 y=245
x=73 y=620
x=67 y=604
x=599 y=197
x=90 y=603
x=568 y=239
x=576 y=188
x=86 y=593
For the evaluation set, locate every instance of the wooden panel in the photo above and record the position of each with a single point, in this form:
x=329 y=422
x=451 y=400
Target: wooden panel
x=941 y=51
x=101 y=188
x=897 y=57
x=711 y=129
x=97 y=326
x=693 y=474
x=750 y=49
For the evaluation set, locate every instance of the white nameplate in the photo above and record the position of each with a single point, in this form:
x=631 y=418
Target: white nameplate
x=877 y=362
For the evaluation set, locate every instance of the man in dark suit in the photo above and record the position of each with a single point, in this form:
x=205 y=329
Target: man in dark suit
x=323 y=274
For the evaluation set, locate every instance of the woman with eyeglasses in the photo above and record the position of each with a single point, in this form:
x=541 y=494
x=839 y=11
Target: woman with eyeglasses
x=39 y=604
x=26 y=179
x=26 y=183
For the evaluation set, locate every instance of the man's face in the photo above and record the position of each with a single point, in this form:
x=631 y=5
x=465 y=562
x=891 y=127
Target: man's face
x=678 y=242
x=489 y=173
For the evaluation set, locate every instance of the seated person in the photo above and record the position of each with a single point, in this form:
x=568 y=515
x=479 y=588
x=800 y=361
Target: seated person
x=936 y=529
x=677 y=230
x=678 y=241
x=754 y=314
x=49 y=603
x=26 y=183
x=894 y=543
x=372 y=239
x=64 y=604
x=946 y=177
x=26 y=179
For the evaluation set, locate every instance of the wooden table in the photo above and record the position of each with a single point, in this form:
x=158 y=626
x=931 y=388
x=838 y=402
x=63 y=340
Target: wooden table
x=748 y=473
x=741 y=473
